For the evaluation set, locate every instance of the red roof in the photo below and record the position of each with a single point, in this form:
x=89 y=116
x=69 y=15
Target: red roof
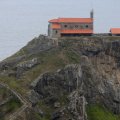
x=115 y=30
x=53 y=21
x=71 y=20
x=85 y=31
x=56 y=26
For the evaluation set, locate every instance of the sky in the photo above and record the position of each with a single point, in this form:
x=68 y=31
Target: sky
x=22 y=20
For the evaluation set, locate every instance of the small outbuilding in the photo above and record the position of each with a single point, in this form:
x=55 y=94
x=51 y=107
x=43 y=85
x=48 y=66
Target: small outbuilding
x=115 y=31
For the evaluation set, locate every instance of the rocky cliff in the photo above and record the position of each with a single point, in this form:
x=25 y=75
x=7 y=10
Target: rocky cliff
x=80 y=85
x=67 y=78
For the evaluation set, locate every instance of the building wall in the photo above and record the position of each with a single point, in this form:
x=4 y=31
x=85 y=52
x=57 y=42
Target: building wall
x=55 y=33
x=77 y=25
x=115 y=34
x=49 y=30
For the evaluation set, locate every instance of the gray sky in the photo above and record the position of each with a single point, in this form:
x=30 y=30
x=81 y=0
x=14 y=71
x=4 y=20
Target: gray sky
x=21 y=20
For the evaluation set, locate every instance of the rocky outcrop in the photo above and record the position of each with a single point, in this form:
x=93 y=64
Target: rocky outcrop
x=82 y=84
x=52 y=88
x=64 y=81
x=101 y=88
x=17 y=64
x=8 y=64
x=20 y=68
x=39 y=44
x=26 y=65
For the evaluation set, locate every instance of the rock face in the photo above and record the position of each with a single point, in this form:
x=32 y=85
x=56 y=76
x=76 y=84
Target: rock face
x=26 y=65
x=64 y=84
x=49 y=86
x=101 y=88
x=95 y=80
x=63 y=79
x=42 y=43
x=82 y=84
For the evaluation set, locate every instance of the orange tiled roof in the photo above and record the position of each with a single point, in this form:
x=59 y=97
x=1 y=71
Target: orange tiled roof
x=115 y=30
x=56 y=26
x=71 y=20
x=85 y=31
x=53 y=21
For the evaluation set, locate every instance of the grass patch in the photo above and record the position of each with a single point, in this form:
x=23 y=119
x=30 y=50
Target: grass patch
x=97 y=112
x=38 y=117
x=46 y=109
x=72 y=57
x=13 y=83
x=50 y=61
x=12 y=105
x=4 y=93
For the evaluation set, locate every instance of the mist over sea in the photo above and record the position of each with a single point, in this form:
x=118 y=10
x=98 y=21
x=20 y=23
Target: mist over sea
x=22 y=20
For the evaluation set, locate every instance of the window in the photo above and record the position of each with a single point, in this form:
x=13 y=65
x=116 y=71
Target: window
x=65 y=26
x=56 y=31
x=86 y=26
x=76 y=26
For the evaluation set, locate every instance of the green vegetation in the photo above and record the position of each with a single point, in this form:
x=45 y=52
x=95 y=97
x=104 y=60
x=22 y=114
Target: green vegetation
x=50 y=61
x=46 y=109
x=4 y=93
x=97 y=112
x=13 y=83
x=53 y=60
x=63 y=100
x=12 y=105
x=72 y=56
x=38 y=117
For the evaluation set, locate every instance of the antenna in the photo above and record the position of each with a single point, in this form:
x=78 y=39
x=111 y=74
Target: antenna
x=92 y=14
x=92 y=11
